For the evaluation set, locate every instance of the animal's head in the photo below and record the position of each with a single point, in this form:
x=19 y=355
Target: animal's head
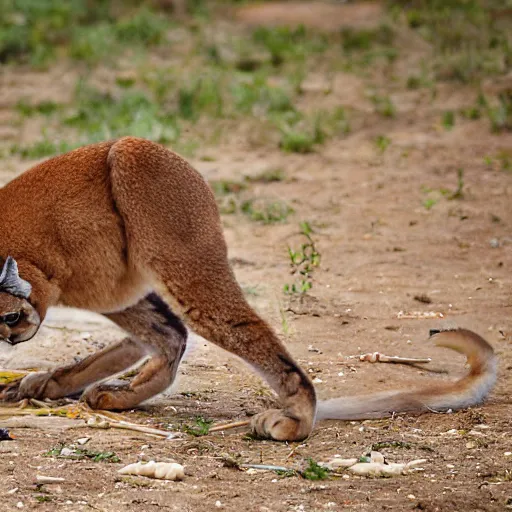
x=19 y=321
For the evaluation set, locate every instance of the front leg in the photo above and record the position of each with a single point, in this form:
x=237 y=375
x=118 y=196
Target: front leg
x=71 y=379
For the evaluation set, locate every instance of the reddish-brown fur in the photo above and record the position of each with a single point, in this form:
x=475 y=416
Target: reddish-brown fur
x=105 y=227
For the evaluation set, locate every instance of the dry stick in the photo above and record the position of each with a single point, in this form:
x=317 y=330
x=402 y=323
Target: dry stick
x=377 y=357
x=227 y=426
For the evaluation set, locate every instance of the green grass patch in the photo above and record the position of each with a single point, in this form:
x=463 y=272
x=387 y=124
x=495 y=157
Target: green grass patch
x=36 y=31
x=471 y=39
x=267 y=176
x=266 y=211
x=303 y=261
x=314 y=471
x=200 y=428
x=101 y=115
x=41 y=149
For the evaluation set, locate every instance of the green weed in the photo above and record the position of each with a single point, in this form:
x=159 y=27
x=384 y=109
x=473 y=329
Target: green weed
x=201 y=428
x=303 y=262
x=365 y=39
x=500 y=114
x=101 y=115
x=383 y=105
x=80 y=453
x=430 y=202
x=382 y=142
x=42 y=149
x=314 y=471
x=448 y=119
x=459 y=191
x=266 y=212
x=145 y=28
x=198 y=97
x=45 y=108
x=470 y=39
x=300 y=134
x=225 y=187
x=285 y=325
x=93 y=44
x=286 y=44
x=267 y=176
x=35 y=31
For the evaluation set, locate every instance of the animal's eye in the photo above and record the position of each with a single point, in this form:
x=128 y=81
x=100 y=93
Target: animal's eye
x=12 y=319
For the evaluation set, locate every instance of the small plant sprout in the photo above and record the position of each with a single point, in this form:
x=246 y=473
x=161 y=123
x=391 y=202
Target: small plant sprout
x=459 y=192
x=314 y=471
x=382 y=142
x=448 y=119
x=201 y=428
x=303 y=262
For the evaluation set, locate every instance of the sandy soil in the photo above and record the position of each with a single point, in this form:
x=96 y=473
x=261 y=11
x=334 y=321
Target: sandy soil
x=380 y=248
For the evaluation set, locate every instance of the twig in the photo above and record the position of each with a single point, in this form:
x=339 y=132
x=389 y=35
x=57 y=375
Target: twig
x=227 y=426
x=42 y=479
x=377 y=357
x=140 y=428
x=265 y=467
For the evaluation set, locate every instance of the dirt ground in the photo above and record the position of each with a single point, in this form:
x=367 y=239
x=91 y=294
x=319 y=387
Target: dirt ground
x=380 y=248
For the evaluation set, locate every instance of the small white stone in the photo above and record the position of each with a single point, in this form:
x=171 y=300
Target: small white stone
x=450 y=466
x=507 y=454
x=218 y=504
x=19 y=504
x=316 y=380
x=411 y=496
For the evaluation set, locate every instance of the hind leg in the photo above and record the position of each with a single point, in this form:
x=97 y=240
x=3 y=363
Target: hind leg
x=153 y=324
x=215 y=308
x=175 y=234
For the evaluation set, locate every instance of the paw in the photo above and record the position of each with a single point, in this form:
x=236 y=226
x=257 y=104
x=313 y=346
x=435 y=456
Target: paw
x=10 y=392
x=277 y=424
x=32 y=385
x=107 y=397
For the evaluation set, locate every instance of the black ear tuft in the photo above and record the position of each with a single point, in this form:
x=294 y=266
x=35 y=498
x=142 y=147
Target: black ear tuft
x=11 y=282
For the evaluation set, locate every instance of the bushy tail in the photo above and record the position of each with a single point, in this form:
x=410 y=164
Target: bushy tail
x=470 y=390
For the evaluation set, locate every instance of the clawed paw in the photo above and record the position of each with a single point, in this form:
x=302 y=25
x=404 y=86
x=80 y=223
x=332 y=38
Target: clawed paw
x=107 y=397
x=10 y=392
x=277 y=424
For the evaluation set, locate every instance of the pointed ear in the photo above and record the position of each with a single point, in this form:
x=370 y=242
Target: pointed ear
x=11 y=282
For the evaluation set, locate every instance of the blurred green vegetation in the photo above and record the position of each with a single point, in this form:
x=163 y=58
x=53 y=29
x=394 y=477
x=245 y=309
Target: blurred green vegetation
x=191 y=81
